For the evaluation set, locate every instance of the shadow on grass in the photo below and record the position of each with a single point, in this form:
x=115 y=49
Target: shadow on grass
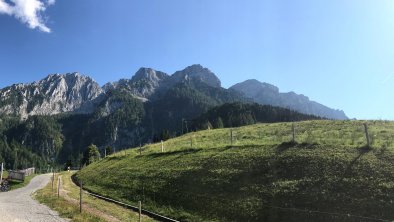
x=361 y=152
x=287 y=145
x=170 y=153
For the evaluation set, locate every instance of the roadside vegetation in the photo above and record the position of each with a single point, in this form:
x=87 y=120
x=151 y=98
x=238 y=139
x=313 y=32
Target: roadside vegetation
x=15 y=184
x=327 y=174
x=68 y=203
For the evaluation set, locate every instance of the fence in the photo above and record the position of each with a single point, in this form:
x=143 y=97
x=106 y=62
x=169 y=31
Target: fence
x=134 y=208
x=342 y=133
x=20 y=174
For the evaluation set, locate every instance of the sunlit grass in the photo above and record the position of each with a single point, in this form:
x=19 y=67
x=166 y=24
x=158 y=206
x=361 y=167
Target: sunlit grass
x=200 y=176
x=94 y=209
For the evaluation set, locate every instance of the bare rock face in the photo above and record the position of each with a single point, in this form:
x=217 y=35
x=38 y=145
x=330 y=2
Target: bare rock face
x=142 y=85
x=147 y=82
x=55 y=94
x=197 y=73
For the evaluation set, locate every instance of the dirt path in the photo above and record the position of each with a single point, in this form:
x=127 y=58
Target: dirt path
x=86 y=207
x=19 y=206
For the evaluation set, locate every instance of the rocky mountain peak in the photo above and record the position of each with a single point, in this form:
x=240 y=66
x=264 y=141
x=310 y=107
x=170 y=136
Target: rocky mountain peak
x=149 y=74
x=253 y=87
x=142 y=85
x=197 y=73
x=57 y=93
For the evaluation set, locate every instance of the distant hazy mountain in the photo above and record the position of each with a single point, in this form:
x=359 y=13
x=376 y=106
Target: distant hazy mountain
x=267 y=94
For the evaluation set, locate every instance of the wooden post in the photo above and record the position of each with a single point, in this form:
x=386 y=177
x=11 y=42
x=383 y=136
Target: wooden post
x=2 y=169
x=191 y=141
x=105 y=152
x=139 y=211
x=293 y=133
x=162 y=146
x=140 y=149
x=80 y=196
x=367 y=135
x=53 y=178
x=58 y=187
x=231 y=136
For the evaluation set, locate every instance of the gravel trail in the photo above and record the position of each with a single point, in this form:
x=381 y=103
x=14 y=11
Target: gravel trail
x=18 y=205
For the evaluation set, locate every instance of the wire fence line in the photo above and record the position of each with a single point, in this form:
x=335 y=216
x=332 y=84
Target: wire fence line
x=135 y=208
x=343 y=133
x=357 y=134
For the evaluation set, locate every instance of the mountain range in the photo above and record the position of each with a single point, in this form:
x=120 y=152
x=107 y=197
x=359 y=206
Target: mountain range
x=77 y=93
x=56 y=118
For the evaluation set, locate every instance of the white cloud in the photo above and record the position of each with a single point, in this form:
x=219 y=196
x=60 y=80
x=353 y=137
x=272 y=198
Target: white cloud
x=27 y=11
x=51 y=2
x=5 y=8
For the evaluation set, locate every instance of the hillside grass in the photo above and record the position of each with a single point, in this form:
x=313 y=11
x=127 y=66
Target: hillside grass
x=327 y=175
x=93 y=209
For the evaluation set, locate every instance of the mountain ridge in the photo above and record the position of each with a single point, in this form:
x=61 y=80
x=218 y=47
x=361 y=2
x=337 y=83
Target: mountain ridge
x=267 y=94
x=77 y=93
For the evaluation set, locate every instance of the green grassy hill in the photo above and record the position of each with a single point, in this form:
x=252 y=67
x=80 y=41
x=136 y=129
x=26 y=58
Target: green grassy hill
x=328 y=175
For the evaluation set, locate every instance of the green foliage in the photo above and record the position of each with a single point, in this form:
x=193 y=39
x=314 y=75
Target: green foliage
x=186 y=100
x=12 y=153
x=241 y=114
x=91 y=154
x=109 y=150
x=218 y=123
x=261 y=177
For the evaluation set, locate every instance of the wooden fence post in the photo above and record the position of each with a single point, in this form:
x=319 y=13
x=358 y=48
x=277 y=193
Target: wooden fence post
x=2 y=169
x=293 y=133
x=162 y=146
x=58 y=187
x=367 y=135
x=53 y=178
x=140 y=149
x=191 y=142
x=80 y=196
x=139 y=211
x=231 y=136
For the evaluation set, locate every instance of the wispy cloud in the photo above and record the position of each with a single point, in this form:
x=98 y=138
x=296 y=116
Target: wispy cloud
x=27 y=11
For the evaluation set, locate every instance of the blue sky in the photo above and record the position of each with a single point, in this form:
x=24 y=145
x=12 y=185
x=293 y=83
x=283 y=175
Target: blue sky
x=339 y=53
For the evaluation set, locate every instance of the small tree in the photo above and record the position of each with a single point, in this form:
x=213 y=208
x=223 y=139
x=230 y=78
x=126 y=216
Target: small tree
x=165 y=135
x=219 y=123
x=109 y=150
x=91 y=154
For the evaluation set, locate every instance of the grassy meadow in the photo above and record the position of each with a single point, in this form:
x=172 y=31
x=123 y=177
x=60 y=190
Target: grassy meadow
x=93 y=209
x=327 y=175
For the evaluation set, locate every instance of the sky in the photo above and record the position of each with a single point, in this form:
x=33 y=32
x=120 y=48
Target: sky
x=338 y=53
